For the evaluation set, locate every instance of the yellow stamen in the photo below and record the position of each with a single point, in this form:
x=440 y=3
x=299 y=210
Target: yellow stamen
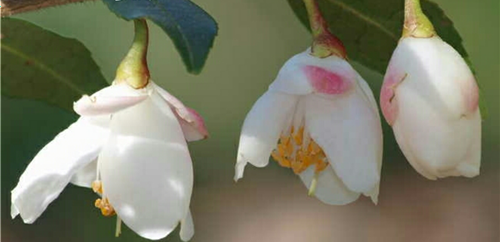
x=284 y=139
x=106 y=208
x=298 y=154
x=289 y=149
x=103 y=204
x=298 y=138
x=282 y=161
x=314 y=148
x=97 y=187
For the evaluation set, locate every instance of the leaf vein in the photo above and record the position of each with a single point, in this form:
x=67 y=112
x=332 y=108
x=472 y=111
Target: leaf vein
x=43 y=67
x=365 y=18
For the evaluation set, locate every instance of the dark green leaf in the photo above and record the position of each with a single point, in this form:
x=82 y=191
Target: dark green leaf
x=370 y=29
x=191 y=28
x=38 y=64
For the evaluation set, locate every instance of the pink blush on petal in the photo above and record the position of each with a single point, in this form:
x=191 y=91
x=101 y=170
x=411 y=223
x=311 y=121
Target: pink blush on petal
x=471 y=94
x=198 y=121
x=327 y=82
x=388 y=104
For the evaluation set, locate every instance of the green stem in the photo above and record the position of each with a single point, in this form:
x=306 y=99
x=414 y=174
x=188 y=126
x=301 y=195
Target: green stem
x=416 y=24
x=324 y=42
x=134 y=67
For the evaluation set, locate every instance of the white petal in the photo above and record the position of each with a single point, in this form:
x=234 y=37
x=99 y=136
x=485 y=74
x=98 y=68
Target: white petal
x=262 y=128
x=192 y=123
x=146 y=170
x=330 y=188
x=436 y=145
x=470 y=164
x=439 y=74
x=350 y=134
x=54 y=166
x=86 y=175
x=110 y=100
x=187 y=227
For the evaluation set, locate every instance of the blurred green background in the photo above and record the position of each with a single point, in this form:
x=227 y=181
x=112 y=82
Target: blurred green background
x=256 y=37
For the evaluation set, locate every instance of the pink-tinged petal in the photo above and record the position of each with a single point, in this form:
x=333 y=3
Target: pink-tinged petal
x=325 y=81
x=192 y=124
x=388 y=102
x=438 y=124
x=305 y=74
x=470 y=91
x=195 y=130
x=110 y=100
x=175 y=103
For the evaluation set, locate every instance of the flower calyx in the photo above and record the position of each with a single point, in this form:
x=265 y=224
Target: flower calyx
x=134 y=67
x=416 y=24
x=324 y=44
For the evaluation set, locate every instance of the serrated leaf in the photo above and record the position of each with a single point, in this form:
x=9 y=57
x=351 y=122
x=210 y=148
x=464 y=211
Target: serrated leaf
x=191 y=28
x=370 y=29
x=39 y=64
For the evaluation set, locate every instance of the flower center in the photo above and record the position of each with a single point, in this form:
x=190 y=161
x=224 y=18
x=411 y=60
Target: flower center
x=298 y=153
x=103 y=204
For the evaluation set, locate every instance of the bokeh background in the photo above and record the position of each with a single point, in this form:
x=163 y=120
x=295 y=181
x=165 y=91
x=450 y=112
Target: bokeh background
x=270 y=204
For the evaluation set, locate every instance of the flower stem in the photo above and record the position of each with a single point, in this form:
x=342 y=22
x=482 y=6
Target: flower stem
x=118 y=230
x=416 y=24
x=314 y=183
x=134 y=67
x=324 y=42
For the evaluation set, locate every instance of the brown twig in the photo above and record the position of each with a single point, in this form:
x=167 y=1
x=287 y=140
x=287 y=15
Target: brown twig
x=11 y=7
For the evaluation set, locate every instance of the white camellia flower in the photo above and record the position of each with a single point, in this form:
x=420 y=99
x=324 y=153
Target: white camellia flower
x=130 y=146
x=320 y=119
x=430 y=98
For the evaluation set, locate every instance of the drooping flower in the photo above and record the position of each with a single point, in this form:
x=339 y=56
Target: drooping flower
x=320 y=119
x=129 y=145
x=430 y=98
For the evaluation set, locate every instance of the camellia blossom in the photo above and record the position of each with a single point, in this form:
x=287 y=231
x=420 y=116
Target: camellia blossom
x=430 y=98
x=320 y=119
x=130 y=146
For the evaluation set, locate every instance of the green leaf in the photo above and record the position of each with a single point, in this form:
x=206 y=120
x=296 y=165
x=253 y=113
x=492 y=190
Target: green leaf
x=41 y=65
x=191 y=28
x=370 y=30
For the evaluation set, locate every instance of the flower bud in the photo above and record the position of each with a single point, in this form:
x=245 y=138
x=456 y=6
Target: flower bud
x=430 y=98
